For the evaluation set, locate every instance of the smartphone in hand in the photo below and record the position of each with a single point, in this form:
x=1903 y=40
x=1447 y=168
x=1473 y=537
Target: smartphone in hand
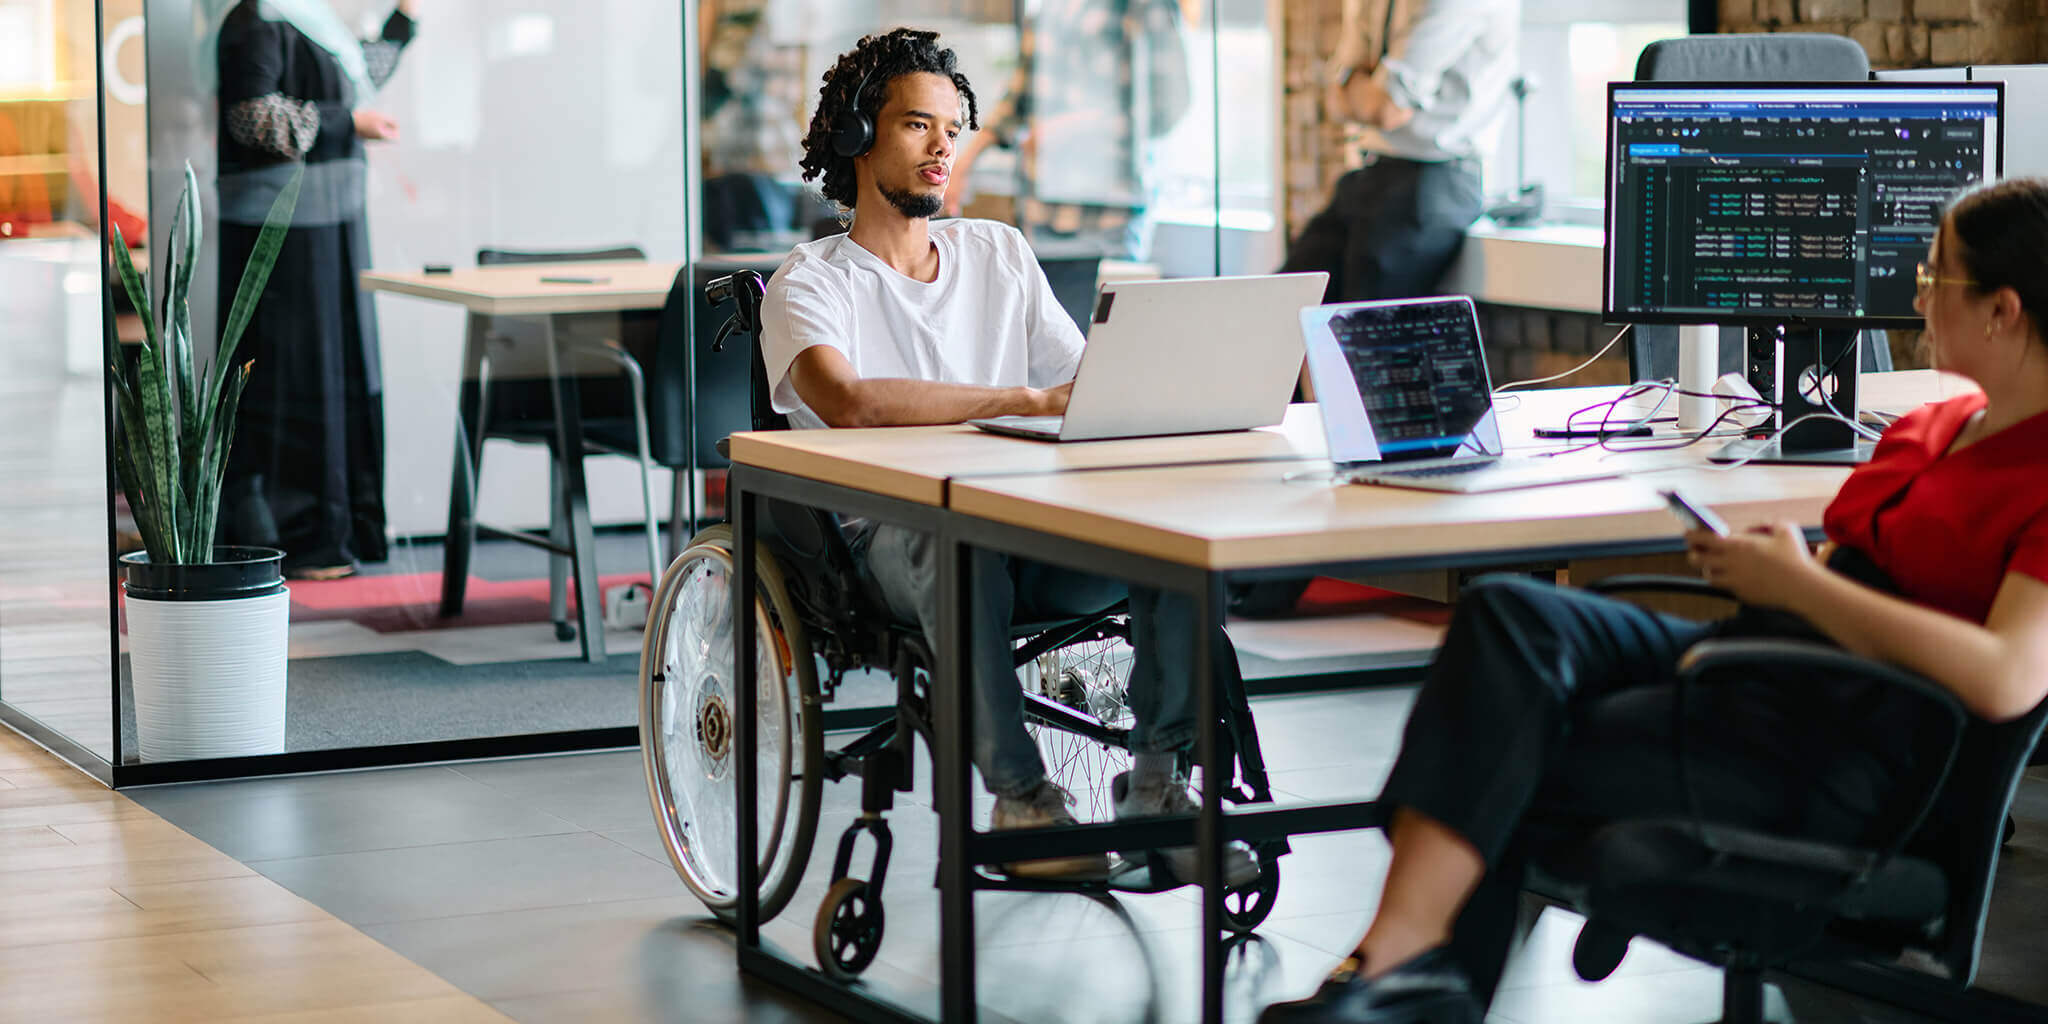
x=1695 y=516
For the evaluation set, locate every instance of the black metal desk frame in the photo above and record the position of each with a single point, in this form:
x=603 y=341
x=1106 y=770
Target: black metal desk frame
x=961 y=848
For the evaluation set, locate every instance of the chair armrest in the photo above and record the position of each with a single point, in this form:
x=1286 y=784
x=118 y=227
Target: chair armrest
x=1799 y=659
x=1657 y=583
x=1710 y=655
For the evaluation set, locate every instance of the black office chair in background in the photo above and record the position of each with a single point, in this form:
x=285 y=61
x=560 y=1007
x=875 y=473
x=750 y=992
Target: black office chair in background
x=508 y=394
x=1749 y=900
x=1755 y=57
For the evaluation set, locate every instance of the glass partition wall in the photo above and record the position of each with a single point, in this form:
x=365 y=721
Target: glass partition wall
x=400 y=423
x=56 y=631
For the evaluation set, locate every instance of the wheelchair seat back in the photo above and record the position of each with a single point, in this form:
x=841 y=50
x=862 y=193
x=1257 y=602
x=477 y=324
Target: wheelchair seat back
x=809 y=542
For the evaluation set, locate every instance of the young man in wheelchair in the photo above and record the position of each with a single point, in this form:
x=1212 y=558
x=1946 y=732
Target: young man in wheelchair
x=900 y=321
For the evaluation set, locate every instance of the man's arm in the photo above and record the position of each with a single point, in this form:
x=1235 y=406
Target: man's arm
x=1438 y=38
x=828 y=383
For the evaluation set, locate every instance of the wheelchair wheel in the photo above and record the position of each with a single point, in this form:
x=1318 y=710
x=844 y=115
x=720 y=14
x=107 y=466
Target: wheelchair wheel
x=848 y=930
x=1246 y=908
x=687 y=731
x=1093 y=677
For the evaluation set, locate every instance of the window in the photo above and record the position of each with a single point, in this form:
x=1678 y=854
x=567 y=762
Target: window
x=1571 y=49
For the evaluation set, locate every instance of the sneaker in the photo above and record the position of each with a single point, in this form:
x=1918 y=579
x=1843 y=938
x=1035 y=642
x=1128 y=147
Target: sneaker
x=1170 y=796
x=1428 y=989
x=1044 y=807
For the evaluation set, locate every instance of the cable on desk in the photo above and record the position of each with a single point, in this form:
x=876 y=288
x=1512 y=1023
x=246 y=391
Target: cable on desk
x=1607 y=425
x=1560 y=376
x=1670 y=387
x=1780 y=432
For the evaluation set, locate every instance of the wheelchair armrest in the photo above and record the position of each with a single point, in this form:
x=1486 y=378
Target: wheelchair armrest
x=1657 y=583
x=1799 y=659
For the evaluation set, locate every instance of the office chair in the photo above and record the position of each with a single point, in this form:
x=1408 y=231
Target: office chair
x=1750 y=900
x=505 y=383
x=1755 y=57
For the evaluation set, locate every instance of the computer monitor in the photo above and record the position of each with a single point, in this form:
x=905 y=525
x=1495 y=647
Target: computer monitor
x=1792 y=205
x=1797 y=211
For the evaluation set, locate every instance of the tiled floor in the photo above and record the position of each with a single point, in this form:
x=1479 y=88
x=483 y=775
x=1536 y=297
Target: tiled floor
x=541 y=887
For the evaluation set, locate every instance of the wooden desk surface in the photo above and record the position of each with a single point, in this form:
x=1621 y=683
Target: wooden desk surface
x=1245 y=515
x=914 y=463
x=517 y=289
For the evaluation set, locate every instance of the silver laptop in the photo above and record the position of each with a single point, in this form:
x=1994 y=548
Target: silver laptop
x=1186 y=356
x=1407 y=402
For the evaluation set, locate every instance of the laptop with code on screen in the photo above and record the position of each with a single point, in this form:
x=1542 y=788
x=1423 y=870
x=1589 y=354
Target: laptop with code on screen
x=1407 y=402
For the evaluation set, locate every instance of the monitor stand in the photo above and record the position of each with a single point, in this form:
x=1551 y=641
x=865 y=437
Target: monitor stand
x=1796 y=373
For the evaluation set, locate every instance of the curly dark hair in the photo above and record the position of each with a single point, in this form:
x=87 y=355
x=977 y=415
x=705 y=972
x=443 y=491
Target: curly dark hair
x=879 y=59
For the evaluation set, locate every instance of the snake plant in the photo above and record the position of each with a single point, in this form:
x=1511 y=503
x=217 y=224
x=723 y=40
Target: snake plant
x=172 y=424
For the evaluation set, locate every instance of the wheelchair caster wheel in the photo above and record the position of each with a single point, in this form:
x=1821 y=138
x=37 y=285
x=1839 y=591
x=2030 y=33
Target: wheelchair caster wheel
x=565 y=632
x=848 y=930
x=1246 y=908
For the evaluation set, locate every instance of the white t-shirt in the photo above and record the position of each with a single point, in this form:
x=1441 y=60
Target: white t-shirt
x=989 y=318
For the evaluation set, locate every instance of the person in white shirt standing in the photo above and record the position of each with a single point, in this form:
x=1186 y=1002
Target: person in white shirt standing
x=1427 y=81
x=900 y=321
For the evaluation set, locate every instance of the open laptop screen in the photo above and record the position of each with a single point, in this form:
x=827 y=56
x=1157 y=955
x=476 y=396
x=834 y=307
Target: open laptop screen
x=1401 y=381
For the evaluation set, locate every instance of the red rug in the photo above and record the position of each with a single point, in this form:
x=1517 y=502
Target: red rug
x=1327 y=596
x=402 y=603
x=397 y=604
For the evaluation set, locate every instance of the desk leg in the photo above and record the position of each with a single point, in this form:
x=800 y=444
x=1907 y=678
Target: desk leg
x=951 y=780
x=1209 y=602
x=575 y=507
x=469 y=445
x=746 y=695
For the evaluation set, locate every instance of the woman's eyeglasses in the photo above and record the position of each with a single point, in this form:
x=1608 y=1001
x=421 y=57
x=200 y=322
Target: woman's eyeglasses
x=1924 y=278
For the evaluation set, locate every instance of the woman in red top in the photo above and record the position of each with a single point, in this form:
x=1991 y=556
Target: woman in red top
x=1550 y=710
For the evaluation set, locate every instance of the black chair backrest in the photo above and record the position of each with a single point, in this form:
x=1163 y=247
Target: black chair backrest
x=523 y=407
x=1966 y=829
x=499 y=257
x=1751 y=57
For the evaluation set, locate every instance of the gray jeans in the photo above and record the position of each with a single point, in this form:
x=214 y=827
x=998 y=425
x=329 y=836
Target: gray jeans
x=902 y=565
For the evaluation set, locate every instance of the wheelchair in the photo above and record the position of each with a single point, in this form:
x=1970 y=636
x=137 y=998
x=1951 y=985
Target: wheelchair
x=816 y=623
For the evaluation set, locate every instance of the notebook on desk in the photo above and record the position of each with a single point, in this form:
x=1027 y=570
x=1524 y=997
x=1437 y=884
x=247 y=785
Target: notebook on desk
x=1407 y=401
x=1189 y=356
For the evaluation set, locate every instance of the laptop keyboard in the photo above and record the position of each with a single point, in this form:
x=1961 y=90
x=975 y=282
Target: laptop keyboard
x=1444 y=470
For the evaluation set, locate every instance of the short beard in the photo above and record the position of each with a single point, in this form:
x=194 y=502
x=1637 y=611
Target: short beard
x=914 y=204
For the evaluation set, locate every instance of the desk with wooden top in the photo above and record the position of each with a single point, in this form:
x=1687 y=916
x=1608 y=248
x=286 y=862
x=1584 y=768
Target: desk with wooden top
x=1190 y=515
x=554 y=296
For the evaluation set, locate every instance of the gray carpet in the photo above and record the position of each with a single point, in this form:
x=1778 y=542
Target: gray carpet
x=367 y=700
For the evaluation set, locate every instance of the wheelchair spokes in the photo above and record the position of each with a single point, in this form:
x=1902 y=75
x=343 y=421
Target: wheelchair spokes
x=1092 y=678
x=689 y=734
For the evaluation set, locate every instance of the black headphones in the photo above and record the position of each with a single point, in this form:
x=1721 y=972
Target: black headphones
x=853 y=133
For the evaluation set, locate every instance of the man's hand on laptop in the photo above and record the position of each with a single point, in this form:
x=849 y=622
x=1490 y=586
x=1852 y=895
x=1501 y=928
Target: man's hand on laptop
x=1052 y=401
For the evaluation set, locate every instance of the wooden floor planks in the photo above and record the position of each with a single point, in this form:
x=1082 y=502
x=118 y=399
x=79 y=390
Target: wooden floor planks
x=109 y=913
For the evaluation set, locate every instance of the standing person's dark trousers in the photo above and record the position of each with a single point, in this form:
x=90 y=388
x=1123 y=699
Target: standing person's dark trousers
x=1391 y=228
x=1550 y=711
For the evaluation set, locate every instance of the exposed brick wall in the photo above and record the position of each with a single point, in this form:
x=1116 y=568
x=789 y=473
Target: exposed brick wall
x=1908 y=33
x=1318 y=148
x=1524 y=344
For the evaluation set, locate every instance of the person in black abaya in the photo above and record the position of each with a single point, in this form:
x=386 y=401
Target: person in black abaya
x=306 y=471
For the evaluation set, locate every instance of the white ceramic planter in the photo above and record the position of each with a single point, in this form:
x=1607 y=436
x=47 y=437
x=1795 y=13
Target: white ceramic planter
x=207 y=659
